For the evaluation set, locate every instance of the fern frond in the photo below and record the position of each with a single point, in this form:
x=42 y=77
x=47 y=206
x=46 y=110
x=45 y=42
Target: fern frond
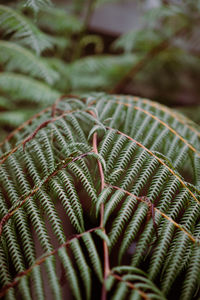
x=72 y=194
x=122 y=191
x=82 y=266
x=107 y=69
x=20 y=87
x=176 y=119
x=16 y=58
x=15 y=118
x=20 y=29
x=94 y=256
x=135 y=40
x=64 y=23
x=87 y=182
x=46 y=202
x=66 y=204
x=70 y=272
x=134 y=279
x=29 y=252
x=174 y=267
x=5 y=276
x=122 y=218
x=193 y=270
x=132 y=229
x=36 y=219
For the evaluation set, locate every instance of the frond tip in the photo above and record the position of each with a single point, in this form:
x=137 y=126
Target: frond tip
x=93 y=209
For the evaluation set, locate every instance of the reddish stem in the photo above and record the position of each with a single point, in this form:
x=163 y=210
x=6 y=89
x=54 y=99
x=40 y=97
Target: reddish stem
x=105 y=246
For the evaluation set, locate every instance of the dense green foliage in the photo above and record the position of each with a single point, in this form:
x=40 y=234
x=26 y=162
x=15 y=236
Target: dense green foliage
x=99 y=194
x=97 y=173
x=39 y=57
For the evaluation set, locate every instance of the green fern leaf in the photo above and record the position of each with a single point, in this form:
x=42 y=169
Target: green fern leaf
x=20 y=87
x=16 y=58
x=63 y=21
x=95 y=199
x=20 y=29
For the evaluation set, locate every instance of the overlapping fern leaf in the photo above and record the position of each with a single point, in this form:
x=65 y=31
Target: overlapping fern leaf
x=108 y=69
x=17 y=58
x=25 y=51
x=20 y=29
x=64 y=23
x=99 y=196
x=37 y=63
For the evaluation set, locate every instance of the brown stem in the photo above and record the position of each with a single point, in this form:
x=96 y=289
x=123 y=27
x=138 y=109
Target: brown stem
x=141 y=64
x=99 y=163
x=105 y=246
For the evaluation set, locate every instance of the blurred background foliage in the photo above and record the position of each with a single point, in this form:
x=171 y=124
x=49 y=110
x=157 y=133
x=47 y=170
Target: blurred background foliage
x=146 y=48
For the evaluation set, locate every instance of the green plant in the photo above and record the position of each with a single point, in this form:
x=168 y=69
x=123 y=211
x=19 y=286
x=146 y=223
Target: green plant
x=166 y=43
x=100 y=195
x=29 y=79
x=51 y=57
x=37 y=59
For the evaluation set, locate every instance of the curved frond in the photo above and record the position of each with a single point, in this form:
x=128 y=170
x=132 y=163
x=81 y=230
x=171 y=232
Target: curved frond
x=99 y=194
x=15 y=118
x=20 y=29
x=16 y=58
x=107 y=70
x=20 y=87
x=63 y=21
